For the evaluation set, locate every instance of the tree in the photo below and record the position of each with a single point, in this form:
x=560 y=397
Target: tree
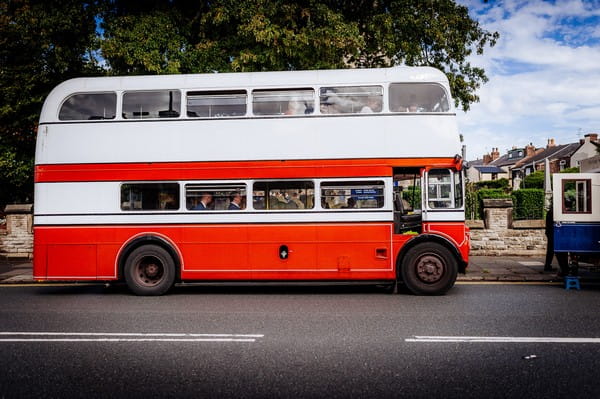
x=437 y=33
x=41 y=44
x=226 y=35
x=231 y=35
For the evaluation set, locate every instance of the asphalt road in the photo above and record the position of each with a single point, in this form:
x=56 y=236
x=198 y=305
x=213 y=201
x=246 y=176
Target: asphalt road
x=93 y=341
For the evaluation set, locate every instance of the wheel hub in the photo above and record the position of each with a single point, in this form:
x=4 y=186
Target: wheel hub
x=151 y=269
x=430 y=268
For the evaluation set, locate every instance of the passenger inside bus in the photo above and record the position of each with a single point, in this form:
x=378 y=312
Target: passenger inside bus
x=205 y=201
x=235 y=202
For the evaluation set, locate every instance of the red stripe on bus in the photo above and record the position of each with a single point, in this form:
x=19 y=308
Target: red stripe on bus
x=230 y=170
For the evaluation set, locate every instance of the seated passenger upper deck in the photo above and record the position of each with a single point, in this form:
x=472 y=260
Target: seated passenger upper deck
x=250 y=95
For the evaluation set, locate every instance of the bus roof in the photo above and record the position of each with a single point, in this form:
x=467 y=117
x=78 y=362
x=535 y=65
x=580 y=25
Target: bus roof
x=238 y=80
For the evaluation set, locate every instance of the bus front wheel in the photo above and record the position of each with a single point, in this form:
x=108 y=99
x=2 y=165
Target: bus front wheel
x=429 y=269
x=149 y=270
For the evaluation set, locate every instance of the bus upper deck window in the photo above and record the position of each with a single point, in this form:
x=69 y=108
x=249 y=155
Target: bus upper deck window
x=351 y=100
x=283 y=102
x=151 y=104
x=89 y=106
x=216 y=104
x=418 y=97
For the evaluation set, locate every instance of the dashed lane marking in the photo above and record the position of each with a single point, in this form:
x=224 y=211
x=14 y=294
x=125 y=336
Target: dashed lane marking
x=38 y=336
x=561 y=340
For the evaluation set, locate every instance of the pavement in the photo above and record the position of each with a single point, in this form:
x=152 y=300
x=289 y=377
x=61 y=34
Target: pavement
x=481 y=269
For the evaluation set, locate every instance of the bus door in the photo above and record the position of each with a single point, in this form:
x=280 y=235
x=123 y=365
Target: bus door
x=407 y=200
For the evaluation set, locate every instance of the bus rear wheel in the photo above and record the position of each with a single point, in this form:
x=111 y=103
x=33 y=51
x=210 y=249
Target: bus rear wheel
x=149 y=270
x=429 y=269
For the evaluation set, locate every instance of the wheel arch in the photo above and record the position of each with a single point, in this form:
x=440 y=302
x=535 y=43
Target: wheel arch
x=149 y=238
x=423 y=238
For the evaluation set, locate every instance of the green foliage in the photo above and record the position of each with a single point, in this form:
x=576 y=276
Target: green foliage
x=41 y=45
x=489 y=193
x=226 y=35
x=574 y=169
x=179 y=36
x=45 y=43
x=533 y=180
x=412 y=194
x=528 y=203
x=499 y=183
x=436 y=33
x=16 y=179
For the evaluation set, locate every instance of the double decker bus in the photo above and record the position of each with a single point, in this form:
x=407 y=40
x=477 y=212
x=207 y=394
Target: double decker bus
x=305 y=176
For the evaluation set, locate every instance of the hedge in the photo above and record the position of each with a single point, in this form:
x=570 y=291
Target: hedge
x=533 y=180
x=528 y=203
x=486 y=193
x=414 y=201
x=499 y=183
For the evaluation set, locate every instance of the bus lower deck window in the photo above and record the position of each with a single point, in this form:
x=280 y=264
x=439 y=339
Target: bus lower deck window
x=215 y=197
x=281 y=195
x=149 y=196
x=352 y=194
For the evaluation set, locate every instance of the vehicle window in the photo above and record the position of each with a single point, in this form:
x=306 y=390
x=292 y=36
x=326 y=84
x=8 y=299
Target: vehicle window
x=216 y=104
x=283 y=102
x=458 y=189
x=351 y=100
x=283 y=195
x=352 y=194
x=149 y=196
x=215 y=197
x=418 y=97
x=151 y=104
x=576 y=195
x=89 y=106
x=439 y=188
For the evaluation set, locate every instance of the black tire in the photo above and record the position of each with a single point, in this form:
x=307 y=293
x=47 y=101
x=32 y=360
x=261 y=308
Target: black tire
x=149 y=270
x=429 y=268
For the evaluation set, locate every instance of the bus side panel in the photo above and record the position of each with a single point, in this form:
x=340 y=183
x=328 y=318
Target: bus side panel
x=233 y=252
x=356 y=247
x=214 y=249
x=68 y=254
x=456 y=232
x=40 y=261
x=282 y=248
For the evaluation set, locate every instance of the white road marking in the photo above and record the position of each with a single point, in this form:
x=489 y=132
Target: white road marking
x=531 y=263
x=37 y=336
x=562 y=340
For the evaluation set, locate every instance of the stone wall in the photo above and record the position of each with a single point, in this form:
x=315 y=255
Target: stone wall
x=498 y=234
x=17 y=240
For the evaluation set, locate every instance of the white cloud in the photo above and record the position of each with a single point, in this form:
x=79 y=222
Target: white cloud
x=543 y=80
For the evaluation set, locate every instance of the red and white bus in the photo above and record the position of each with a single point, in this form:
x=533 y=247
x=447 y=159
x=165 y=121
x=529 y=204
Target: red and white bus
x=267 y=176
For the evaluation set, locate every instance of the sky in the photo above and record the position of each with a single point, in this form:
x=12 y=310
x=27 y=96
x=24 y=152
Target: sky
x=544 y=75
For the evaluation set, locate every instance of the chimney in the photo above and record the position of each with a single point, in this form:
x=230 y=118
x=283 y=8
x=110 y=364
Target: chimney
x=487 y=159
x=495 y=154
x=529 y=150
x=550 y=143
x=592 y=136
